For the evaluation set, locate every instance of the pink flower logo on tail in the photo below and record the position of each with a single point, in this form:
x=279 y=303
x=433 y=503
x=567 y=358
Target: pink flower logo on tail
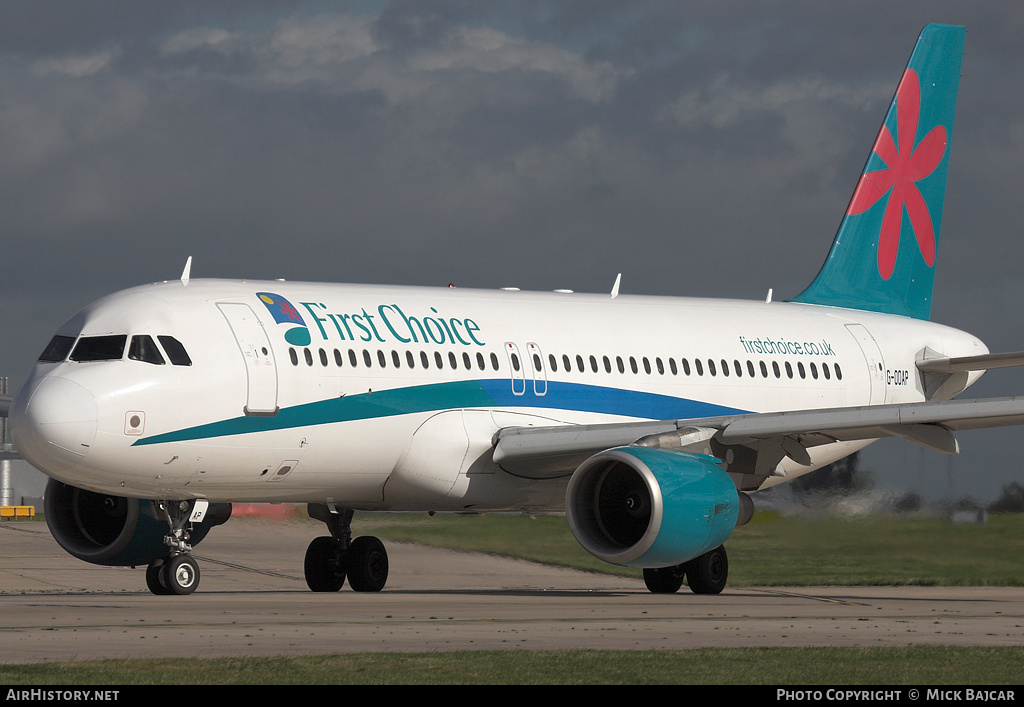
x=905 y=167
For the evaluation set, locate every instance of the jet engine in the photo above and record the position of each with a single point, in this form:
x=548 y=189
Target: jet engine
x=650 y=507
x=110 y=530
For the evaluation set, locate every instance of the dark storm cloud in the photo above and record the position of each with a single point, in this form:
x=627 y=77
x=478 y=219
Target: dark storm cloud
x=705 y=148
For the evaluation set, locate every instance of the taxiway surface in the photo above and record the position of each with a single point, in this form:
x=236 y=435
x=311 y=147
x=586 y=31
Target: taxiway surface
x=252 y=600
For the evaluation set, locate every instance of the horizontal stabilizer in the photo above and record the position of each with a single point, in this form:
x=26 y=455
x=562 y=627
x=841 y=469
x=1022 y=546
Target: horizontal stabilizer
x=966 y=364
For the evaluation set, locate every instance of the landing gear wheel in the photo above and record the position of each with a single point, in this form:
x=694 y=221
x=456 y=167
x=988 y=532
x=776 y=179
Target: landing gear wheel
x=153 y=580
x=664 y=580
x=180 y=574
x=367 y=564
x=323 y=567
x=708 y=573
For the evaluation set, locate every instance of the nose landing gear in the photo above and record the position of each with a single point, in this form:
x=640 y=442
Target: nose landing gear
x=178 y=573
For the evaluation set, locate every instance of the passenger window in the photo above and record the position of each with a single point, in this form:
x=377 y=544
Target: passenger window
x=410 y=359
x=494 y=361
x=175 y=351
x=579 y=364
x=424 y=359
x=309 y=357
x=396 y=359
x=294 y=356
x=607 y=364
x=381 y=359
x=367 y=359
x=337 y=358
x=100 y=348
x=552 y=363
x=353 y=361
x=593 y=364
x=480 y=361
x=764 y=369
x=58 y=349
x=451 y=360
x=839 y=373
x=686 y=366
x=323 y=358
x=144 y=349
x=699 y=366
x=824 y=369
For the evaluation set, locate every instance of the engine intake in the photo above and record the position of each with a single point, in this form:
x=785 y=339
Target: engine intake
x=111 y=530
x=649 y=507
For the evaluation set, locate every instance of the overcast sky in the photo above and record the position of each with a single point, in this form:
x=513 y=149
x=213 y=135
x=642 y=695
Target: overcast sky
x=697 y=148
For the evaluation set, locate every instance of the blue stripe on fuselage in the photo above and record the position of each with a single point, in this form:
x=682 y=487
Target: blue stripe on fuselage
x=490 y=393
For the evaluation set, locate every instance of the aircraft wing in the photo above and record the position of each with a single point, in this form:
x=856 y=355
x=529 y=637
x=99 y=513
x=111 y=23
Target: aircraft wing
x=765 y=438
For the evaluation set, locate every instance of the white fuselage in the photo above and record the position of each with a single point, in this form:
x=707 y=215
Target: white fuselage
x=389 y=398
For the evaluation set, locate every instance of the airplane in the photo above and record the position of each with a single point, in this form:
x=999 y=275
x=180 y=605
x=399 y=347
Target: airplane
x=652 y=422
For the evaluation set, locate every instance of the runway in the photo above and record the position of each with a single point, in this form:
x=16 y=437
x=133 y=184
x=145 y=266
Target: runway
x=253 y=601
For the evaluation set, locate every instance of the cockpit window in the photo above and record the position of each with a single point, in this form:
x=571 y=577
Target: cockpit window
x=175 y=351
x=58 y=349
x=143 y=348
x=99 y=348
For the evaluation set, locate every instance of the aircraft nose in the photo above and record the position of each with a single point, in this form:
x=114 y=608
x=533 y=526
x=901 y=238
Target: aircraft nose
x=53 y=423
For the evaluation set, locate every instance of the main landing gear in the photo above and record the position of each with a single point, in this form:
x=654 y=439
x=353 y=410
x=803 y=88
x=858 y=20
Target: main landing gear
x=178 y=573
x=329 y=560
x=706 y=574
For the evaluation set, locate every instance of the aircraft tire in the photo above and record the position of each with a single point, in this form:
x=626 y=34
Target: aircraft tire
x=367 y=564
x=323 y=569
x=708 y=573
x=153 y=579
x=664 y=580
x=180 y=575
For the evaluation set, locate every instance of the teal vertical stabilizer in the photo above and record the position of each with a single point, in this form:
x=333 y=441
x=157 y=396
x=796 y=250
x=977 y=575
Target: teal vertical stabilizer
x=883 y=257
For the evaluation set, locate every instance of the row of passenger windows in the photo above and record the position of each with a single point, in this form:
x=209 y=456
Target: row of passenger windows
x=111 y=348
x=698 y=367
x=396 y=359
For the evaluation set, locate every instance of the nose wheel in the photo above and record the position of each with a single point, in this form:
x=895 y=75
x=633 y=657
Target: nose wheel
x=173 y=575
x=178 y=573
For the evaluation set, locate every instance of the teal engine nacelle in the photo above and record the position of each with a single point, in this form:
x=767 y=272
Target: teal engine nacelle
x=111 y=530
x=649 y=507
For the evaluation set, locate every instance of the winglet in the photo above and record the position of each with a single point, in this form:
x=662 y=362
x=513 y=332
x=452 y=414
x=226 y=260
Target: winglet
x=615 y=287
x=185 y=273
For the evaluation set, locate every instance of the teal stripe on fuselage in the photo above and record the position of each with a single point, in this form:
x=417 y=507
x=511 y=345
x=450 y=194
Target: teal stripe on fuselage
x=435 y=397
